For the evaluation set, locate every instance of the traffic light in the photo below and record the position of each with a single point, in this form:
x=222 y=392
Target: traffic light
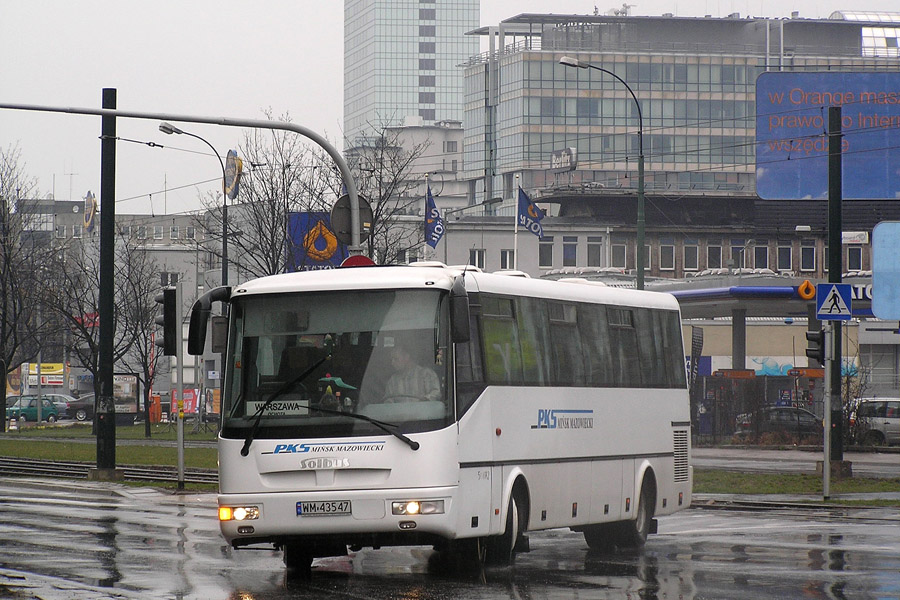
x=169 y=321
x=816 y=349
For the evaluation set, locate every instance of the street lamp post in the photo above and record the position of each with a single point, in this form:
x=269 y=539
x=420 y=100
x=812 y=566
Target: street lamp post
x=169 y=129
x=574 y=62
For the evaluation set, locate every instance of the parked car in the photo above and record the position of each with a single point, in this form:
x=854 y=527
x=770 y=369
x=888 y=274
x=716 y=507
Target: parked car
x=82 y=408
x=26 y=408
x=779 y=419
x=876 y=421
x=61 y=401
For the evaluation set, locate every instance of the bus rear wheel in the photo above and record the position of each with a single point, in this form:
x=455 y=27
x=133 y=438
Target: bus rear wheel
x=635 y=532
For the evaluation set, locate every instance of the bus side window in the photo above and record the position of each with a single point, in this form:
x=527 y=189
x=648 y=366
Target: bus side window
x=469 y=369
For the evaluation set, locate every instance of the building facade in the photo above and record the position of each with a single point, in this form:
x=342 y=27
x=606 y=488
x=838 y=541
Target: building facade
x=401 y=60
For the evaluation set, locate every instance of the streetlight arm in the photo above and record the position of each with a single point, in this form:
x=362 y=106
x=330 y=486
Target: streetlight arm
x=346 y=175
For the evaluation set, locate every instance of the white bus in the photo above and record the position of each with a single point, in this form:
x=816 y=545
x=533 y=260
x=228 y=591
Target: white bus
x=425 y=404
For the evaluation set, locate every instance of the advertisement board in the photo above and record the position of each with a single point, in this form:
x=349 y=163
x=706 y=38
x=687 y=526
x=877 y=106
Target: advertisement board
x=314 y=244
x=792 y=128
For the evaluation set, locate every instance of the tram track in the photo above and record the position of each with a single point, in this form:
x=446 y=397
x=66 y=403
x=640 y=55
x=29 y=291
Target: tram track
x=80 y=470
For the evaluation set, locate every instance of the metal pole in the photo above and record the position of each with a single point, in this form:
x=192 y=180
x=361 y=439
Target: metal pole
x=339 y=161
x=179 y=388
x=828 y=329
x=106 y=407
x=835 y=225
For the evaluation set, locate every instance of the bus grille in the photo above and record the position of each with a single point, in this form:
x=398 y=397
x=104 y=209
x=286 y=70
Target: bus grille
x=681 y=455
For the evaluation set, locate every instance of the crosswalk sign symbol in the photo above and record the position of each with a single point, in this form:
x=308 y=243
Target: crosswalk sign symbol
x=833 y=302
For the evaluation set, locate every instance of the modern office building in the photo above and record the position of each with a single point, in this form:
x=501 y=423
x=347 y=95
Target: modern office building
x=572 y=137
x=401 y=62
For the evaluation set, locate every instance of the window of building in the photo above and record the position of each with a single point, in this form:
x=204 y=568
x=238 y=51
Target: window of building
x=168 y=279
x=61 y=231
x=125 y=231
x=854 y=258
x=691 y=255
x=77 y=230
x=507 y=259
x=451 y=146
x=426 y=80
x=666 y=254
x=545 y=251
x=784 y=255
x=189 y=232
x=714 y=256
x=807 y=255
x=427 y=64
x=157 y=232
x=761 y=254
x=427 y=14
x=595 y=251
x=427 y=114
x=142 y=232
x=426 y=47
x=647 y=262
x=173 y=232
x=570 y=250
x=426 y=97
x=476 y=257
x=619 y=251
x=737 y=253
x=426 y=31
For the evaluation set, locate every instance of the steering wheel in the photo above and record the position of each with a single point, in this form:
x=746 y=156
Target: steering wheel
x=393 y=398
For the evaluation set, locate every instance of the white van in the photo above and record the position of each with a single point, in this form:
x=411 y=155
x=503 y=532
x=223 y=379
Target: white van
x=877 y=421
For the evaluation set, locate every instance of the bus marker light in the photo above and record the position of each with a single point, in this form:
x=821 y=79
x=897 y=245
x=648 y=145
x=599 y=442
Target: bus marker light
x=627 y=504
x=496 y=511
x=498 y=432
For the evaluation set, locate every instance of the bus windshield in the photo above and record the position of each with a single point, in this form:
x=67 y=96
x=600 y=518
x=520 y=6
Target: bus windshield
x=388 y=361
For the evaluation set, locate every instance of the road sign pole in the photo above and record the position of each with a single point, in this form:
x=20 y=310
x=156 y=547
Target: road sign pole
x=828 y=328
x=835 y=227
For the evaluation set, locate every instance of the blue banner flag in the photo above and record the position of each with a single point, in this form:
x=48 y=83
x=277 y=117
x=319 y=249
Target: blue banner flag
x=434 y=224
x=530 y=215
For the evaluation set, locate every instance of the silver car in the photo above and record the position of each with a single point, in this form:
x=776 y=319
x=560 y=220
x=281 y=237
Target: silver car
x=877 y=421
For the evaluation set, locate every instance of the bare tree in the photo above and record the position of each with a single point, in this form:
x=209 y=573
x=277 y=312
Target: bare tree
x=21 y=287
x=282 y=175
x=384 y=165
x=140 y=286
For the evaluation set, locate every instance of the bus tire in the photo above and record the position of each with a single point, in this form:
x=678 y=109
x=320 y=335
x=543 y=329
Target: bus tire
x=602 y=537
x=501 y=549
x=635 y=532
x=297 y=560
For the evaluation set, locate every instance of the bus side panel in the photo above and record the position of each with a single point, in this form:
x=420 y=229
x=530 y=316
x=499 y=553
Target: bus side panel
x=606 y=486
x=474 y=502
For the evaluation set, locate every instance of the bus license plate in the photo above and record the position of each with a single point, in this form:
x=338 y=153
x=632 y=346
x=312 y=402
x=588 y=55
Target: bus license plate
x=323 y=508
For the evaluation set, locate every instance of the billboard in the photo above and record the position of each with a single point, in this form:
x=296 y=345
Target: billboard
x=314 y=245
x=792 y=141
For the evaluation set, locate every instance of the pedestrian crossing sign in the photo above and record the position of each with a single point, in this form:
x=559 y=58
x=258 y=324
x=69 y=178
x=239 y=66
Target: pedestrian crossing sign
x=833 y=302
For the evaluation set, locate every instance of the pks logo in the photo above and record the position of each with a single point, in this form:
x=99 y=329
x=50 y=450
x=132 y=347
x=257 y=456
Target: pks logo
x=555 y=418
x=341 y=447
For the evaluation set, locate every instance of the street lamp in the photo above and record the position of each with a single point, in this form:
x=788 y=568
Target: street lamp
x=169 y=129
x=574 y=62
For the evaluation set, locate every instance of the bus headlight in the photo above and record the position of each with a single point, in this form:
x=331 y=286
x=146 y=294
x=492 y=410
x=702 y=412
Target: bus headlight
x=418 y=507
x=238 y=513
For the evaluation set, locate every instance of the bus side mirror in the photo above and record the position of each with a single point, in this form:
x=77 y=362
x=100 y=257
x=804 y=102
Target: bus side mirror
x=459 y=311
x=200 y=317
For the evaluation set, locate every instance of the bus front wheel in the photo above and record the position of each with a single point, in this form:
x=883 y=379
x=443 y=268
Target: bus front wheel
x=501 y=550
x=297 y=560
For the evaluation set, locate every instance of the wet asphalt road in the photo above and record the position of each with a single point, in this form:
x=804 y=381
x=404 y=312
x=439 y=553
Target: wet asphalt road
x=74 y=540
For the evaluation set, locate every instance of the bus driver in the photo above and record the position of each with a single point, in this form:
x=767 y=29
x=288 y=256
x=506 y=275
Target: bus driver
x=410 y=380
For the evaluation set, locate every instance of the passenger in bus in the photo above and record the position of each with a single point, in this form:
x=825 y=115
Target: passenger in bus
x=410 y=380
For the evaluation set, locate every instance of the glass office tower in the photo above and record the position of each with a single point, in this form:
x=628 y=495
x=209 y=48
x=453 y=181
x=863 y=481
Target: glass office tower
x=402 y=59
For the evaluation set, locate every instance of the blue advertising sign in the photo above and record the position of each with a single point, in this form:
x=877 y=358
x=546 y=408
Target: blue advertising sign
x=314 y=245
x=792 y=141
x=886 y=270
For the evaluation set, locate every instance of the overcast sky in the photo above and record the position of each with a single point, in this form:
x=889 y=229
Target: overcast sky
x=221 y=59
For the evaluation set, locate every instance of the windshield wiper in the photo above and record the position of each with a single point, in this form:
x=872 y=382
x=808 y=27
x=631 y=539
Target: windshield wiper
x=386 y=427
x=245 y=450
